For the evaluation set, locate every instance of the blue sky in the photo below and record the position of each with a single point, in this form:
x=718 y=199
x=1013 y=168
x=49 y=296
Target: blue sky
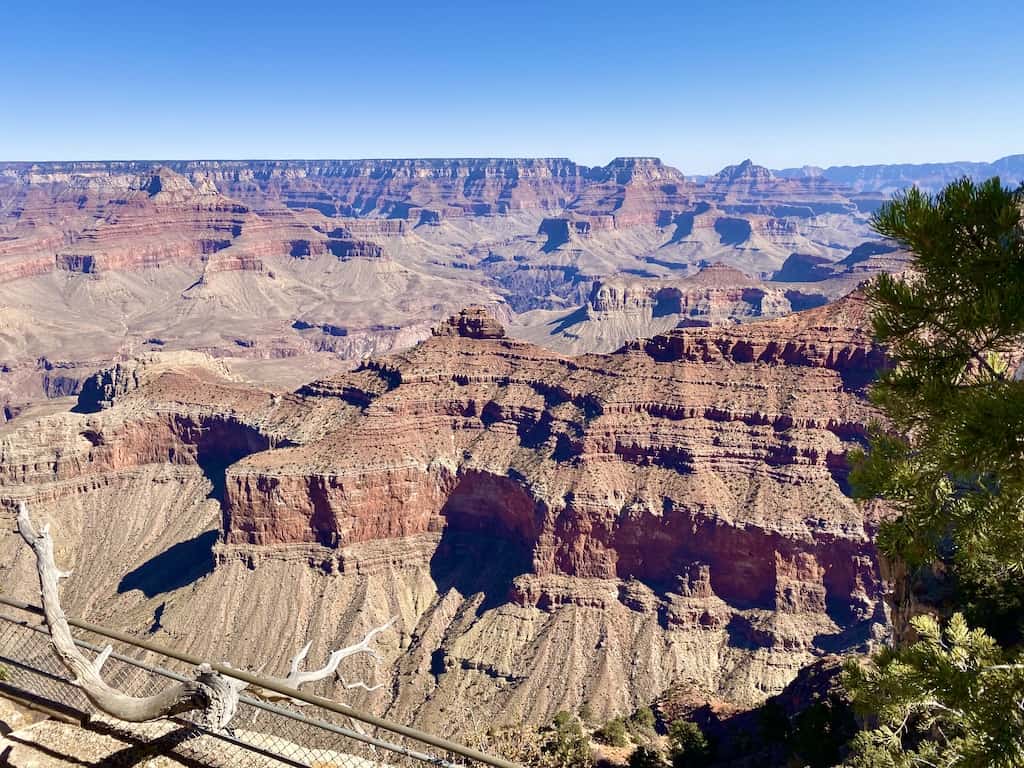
x=700 y=85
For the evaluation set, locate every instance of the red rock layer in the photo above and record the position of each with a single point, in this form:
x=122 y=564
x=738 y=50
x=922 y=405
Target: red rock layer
x=626 y=192
x=100 y=223
x=670 y=510
x=707 y=458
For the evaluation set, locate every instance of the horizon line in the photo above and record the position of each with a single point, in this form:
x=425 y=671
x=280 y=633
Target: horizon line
x=462 y=158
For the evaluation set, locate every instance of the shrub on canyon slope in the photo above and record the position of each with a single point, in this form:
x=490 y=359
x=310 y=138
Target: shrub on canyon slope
x=519 y=744
x=643 y=719
x=690 y=748
x=564 y=744
x=952 y=462
x=586 y=713
x=641 y=726
x=613 y=733
x=647 y=757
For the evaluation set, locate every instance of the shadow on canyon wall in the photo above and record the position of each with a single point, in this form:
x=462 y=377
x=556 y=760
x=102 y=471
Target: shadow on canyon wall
x=491 y=527
x=175 y=567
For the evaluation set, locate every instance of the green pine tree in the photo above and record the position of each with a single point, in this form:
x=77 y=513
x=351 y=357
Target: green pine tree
x=564 y=744
x=689 y=745
x=951 y=460
x=613 y=733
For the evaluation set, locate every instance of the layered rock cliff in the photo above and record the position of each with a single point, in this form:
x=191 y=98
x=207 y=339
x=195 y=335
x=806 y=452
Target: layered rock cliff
x=716 y=295
x=324 y=263
x=673 y=511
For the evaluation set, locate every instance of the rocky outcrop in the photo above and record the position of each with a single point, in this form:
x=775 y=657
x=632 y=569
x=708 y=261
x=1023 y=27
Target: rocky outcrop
x=745 y=172
x=817 y=340
x=619 y=310
x=629 y=192
x=835 y=336
x=161 y=218
x=106 y=386
x=186 y=410
x=873 y=257
x=706 y=467
x=716 y=295
x=748 y=188
x=353 y=249
x=471 y=323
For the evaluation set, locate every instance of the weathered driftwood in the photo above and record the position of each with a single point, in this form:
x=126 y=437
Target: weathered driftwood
x=214 y=695
x=297 y=677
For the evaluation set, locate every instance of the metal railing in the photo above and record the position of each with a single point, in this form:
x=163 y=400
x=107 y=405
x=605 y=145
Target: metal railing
x=325 y=734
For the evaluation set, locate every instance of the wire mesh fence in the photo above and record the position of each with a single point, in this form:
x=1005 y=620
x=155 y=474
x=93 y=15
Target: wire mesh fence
x=260 y=735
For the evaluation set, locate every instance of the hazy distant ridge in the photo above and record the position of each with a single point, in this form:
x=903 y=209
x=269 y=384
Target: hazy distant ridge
x=886 y=179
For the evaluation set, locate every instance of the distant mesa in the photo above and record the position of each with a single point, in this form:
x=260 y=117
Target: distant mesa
x=626 y=169
x=723 y=276
x=473 y=322
x=879 y=181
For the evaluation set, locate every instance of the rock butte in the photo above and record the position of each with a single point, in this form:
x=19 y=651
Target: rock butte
x=549 y=530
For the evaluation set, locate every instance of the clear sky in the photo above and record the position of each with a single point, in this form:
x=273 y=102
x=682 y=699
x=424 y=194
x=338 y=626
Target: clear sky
x=699 y=84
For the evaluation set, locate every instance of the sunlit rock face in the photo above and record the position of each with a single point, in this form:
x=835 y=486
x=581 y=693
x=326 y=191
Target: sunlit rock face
x=549 y=529
x=697 y=478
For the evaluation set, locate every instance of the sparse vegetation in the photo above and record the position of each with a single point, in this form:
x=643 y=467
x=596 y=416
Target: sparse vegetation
x=643 y=718
x=647 y=757
x=586 y=713
x=613 y=733
x=689 y=745
x=640 y=726
x=564 y=745
x=519 y=744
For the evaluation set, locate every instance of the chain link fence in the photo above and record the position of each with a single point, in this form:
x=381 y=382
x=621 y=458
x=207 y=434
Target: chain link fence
x=295 y=733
